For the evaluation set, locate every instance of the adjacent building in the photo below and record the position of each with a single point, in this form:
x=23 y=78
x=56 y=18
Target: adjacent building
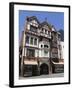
x=41 y=49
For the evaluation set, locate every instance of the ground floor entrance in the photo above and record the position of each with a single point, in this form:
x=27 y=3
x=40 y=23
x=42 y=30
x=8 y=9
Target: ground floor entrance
x=34 y=70
x=44 y=69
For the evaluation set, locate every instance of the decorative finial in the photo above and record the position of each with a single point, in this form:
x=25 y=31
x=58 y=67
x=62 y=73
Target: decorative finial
x=46 y=19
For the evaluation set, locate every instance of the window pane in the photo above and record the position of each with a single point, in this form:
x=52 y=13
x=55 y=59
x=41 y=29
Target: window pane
x=27 y=39
x=45 y=31
x=31 y=41
x=42 y=30
x=30 y=53
x=48 y=33
x=45 y=46
x=35 y=41
x=41 y=46
x=33 y=29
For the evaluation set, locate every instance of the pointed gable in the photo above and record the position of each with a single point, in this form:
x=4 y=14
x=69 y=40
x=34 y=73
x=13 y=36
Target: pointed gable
x=33 y=19
x=46 y=24
x=53 y=28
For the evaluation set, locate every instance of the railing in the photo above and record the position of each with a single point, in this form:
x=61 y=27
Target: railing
x=35 y=58
x=45 y=35
x=39 y=34
x=30 y=58
x=31 y=32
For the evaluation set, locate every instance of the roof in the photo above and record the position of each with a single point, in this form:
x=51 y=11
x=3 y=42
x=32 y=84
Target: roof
x=41 y=24
x=46 y=23
x=53 y=27
x=32 y=18
x=58 y=63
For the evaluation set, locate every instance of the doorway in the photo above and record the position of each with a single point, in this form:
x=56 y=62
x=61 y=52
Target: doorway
x=44 y=69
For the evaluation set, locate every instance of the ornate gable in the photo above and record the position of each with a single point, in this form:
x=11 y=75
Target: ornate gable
x=46 y=25
x=33 y=19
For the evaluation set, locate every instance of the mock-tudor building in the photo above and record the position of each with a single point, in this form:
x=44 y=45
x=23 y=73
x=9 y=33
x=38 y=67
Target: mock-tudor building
x=41 y=49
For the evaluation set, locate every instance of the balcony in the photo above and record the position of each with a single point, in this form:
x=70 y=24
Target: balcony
x=45 y=35
x=31 y=32
x=30 y=58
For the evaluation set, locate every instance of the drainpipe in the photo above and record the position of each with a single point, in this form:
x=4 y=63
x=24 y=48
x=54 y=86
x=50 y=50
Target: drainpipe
x=50 y=68
x=50 y=54
x=23 y=50
x=38 y=60
x=23 y=54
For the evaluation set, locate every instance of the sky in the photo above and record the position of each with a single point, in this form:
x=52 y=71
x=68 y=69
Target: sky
x=54 y=18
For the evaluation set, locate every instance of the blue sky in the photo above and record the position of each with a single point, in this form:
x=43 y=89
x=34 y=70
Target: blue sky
x=54 y=18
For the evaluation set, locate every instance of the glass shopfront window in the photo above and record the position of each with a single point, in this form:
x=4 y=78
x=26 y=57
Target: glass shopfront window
x=30 y=52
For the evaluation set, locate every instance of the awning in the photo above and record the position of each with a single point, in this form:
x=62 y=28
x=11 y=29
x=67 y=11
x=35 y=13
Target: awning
x=57 y=62
x=30 y=62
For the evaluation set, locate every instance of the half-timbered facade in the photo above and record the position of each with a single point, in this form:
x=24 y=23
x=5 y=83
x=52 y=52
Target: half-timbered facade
x=40 y=48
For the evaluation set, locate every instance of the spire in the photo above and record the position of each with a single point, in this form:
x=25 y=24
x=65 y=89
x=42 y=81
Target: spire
x=46 y=19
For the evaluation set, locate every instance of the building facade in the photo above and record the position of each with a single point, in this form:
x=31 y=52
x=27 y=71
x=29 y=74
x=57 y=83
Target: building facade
x=40 y=49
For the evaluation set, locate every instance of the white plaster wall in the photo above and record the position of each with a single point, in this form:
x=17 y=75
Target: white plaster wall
x=41 y=51
x=28 y=26
x=62 y=50
x=36 y=52
x=25 y=51
x=33 y=22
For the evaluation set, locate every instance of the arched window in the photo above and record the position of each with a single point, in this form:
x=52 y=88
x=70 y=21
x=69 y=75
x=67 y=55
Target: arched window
x=41 y=46
x=35 y=41
x=27 y=39
x=42 y=30
x=45 y=46
x=33 y=28
x=30 y=53
x=45 y=31
x=31 y=40
x=45 y=49
x=44 y=69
